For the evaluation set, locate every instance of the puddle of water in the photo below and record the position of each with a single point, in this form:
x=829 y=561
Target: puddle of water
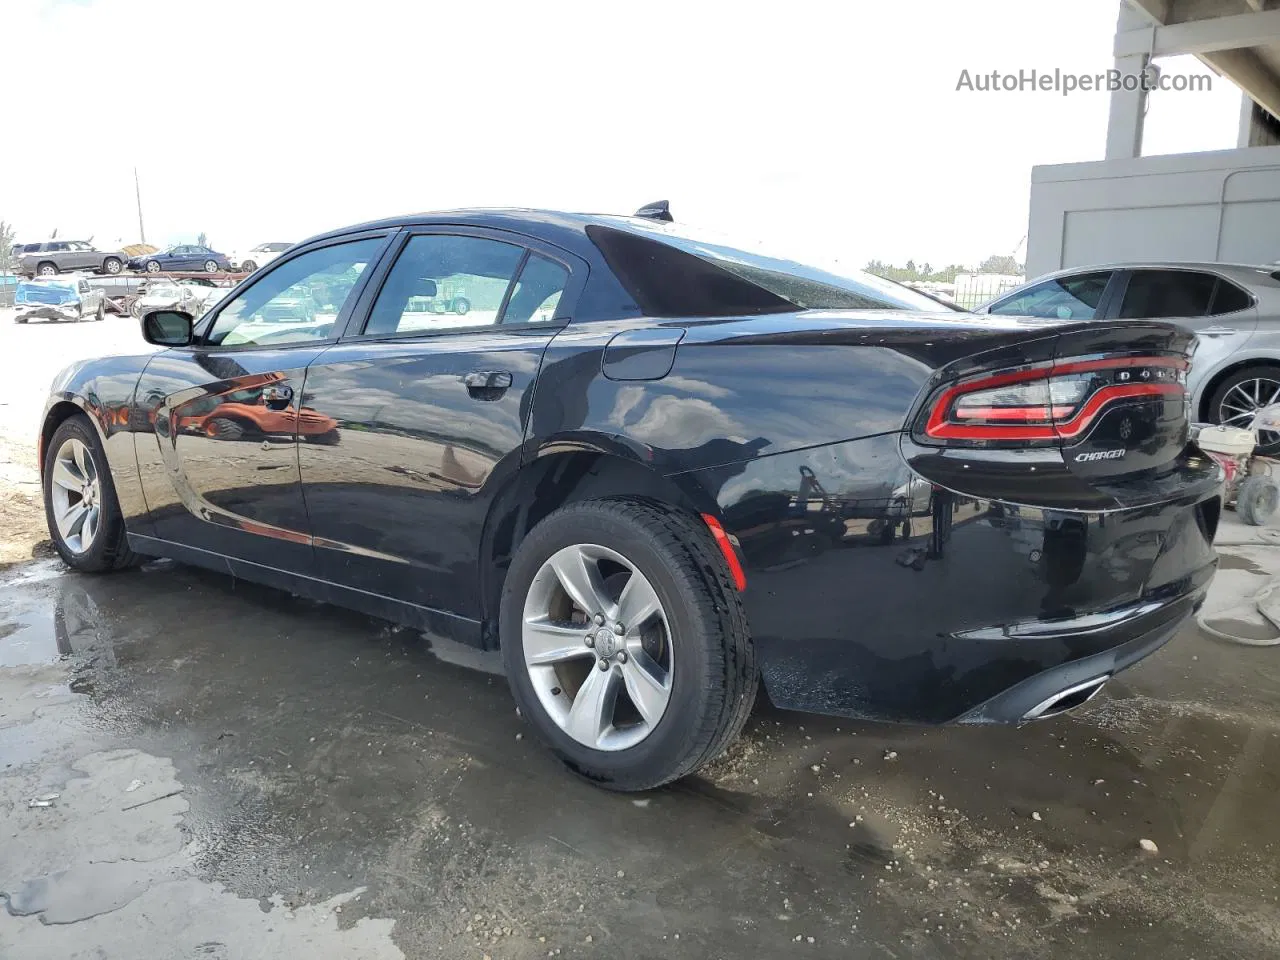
x=30 y=638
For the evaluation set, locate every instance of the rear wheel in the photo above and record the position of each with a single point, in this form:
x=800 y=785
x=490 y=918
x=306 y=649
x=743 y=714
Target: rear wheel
x=47 y=269
x=625 y=643
x=102 y=310
x=1241 y=395
x=248 y=266
x=211 y=266
x=80 y=504
x=461 y=306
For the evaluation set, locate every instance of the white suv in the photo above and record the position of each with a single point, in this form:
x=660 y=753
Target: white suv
x=259 y=256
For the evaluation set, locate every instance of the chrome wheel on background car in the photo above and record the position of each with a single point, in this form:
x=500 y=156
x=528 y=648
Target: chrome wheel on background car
x=47 y=270
x=597 y=645
x=211 y=266
x=112 y=266
x=76 y=495
x=1241 y=395
x=153 y=266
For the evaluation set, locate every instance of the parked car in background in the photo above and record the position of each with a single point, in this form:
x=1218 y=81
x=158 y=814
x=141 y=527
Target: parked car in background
x=183 y=256
x=651 y=467
x=58 y=298
x=259 y=256
x=121 y=290
x=189 y=296
x=1233 y=308
x=65 y=256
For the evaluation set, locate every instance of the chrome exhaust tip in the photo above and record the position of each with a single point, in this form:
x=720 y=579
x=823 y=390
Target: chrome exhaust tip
x=1067 y=699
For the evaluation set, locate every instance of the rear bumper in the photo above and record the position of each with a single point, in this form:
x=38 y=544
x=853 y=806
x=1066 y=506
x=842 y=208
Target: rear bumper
x=875 y=594
x=1045 y=694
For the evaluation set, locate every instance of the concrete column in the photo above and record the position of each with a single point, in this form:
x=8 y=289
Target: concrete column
x=1128 y=107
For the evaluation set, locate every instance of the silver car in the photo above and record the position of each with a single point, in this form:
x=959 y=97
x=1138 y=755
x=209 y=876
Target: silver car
x=1234 y=308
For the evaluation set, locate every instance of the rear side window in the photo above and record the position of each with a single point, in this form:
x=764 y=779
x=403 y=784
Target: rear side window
x=1166 y=294
x=1229 y=299
x=537 y=292
x=1063 y=298
x=443 y=281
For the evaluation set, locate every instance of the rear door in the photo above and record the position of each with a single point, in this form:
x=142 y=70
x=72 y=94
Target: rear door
x=1220 y=314
x=431 y=406
x=221 y=472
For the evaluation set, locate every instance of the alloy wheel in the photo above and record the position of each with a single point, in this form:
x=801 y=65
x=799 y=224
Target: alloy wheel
x=1246 y=398
x=210 y=266
x=153 y=267
x=597 y=646
x=76 y=492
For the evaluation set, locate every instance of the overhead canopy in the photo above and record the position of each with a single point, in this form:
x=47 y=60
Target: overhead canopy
x=1240 y=39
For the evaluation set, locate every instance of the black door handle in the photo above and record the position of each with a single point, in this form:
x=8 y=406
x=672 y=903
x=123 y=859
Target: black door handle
x=487 y=384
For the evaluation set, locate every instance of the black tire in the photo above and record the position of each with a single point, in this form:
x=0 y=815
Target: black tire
x=102 y=310
x=47 y=269
x=461 y=305
x=714 y=677
x=222 y=428
x=110 y=549
x=153 y=266
x=112 y=266
x=211 y=266
x=1256 y=500
x=248 y=266
x=1268 y=443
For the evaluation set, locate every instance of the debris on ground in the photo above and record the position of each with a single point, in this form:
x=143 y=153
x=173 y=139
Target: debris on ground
x=1148 y=846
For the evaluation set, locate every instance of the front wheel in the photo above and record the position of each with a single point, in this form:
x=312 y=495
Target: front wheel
x=1256 y=499
x=102 y=310
x=625 y=642
x=85 y=522
x=211 y=266
x=153 y=266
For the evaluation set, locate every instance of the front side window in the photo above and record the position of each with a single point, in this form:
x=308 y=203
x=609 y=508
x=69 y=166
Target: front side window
x=442 y=281
x=1161 y=294
x=298 y=301
x=1063 y=298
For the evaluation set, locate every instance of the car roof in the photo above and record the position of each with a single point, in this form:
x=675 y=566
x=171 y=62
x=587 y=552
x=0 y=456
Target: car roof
x=1244 y=272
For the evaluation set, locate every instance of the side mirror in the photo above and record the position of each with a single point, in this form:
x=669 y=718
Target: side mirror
x=166 y=328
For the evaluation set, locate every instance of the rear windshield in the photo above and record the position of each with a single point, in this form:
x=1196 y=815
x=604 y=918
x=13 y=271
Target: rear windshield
x=807 y=285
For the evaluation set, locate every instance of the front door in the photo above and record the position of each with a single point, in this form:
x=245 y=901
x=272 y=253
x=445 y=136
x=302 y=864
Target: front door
x=431 y=396
x=221 y=472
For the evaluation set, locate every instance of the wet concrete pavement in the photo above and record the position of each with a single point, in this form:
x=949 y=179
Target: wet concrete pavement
x=243 y=774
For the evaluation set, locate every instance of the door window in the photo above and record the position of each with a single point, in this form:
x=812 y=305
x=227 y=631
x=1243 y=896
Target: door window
x=298 y=301
x=1157 y=294
x=1229 y=299
x=537 y=292
x=442 y=282
x=1063 y=298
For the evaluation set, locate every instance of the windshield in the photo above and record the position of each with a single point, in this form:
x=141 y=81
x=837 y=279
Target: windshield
x=829 y=287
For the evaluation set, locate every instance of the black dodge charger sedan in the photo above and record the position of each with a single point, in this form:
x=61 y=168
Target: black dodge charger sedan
x=654 y=468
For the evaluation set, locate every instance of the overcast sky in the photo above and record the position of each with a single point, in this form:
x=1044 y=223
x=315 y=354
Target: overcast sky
x=834 y=124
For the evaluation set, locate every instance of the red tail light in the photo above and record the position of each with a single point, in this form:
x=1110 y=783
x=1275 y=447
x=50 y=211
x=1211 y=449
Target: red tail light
x=1048 y=403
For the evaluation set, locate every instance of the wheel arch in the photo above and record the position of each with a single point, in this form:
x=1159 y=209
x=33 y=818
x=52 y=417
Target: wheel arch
x=1215 y=380
x=551 y=481
x=55 y=416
